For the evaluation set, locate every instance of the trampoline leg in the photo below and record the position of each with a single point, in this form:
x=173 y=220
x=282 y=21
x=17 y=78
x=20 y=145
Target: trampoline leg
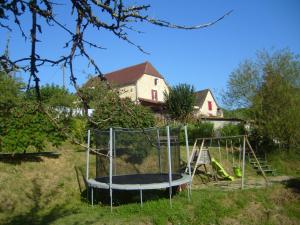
x=170 y=195
x=141 y=196
x=87 y=193
x=92 y=195
x=111 y=202
x=190 y=190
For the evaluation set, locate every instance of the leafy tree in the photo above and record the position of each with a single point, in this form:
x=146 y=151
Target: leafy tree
x=22 y=124
x=180 y=102
x=10 y=90
x=232 y=130
x=270 y=88
x=276 y=110
x=26 y=128
x=56 y=96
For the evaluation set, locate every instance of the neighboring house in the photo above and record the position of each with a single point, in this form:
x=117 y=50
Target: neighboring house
x=142 y=83
x=206 y=105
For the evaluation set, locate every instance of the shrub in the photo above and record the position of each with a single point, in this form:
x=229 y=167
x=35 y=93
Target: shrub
x=23 y=125
x=232 y=130
x=197 y=130
x=27 y=127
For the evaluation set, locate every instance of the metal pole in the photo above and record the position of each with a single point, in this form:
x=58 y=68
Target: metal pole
x=187 y=150
x=158 y=151
x=192 y=155
x=114 y=143
x=88 y=155
x=170 y=165
x=141 y=196
x=110 y=165
x=87 y=163
x=188 y=159
x=243 y=164
x=92 y=196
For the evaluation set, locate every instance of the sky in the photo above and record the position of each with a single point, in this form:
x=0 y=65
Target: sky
x=203 y=58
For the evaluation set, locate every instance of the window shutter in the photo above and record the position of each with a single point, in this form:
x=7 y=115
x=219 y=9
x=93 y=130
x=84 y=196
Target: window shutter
x=209 y=105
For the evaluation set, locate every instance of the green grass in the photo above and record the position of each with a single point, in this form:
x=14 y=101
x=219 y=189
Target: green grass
x=286 y=162
x=46 y=191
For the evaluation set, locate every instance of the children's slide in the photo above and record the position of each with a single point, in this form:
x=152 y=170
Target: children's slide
x=220 y=170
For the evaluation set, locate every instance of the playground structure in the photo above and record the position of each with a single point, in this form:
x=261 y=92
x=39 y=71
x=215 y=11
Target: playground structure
x=201 y=157
x=136 y=159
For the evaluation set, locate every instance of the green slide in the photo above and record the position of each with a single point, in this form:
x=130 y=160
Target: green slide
x=220 y=170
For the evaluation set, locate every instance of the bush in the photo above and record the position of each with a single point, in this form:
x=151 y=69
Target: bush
x=78 y=126
x=197 y=130
x=23 y=125
x=26 y=127
x=232 y=130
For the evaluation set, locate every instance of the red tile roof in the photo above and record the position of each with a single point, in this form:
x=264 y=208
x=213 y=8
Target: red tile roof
x=131 y=74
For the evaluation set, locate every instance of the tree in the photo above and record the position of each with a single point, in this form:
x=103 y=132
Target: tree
x=112 y=111
x=180 y=102
x=22 y=124
x=270 y=89
x=10 y=90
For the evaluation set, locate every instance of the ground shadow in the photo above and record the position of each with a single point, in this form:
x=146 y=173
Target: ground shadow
x=122 y=197
x=34 y=216
x=18 y=158
x=293 y=183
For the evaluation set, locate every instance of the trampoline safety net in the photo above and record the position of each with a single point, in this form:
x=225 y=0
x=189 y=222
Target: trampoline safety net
x=137 y=152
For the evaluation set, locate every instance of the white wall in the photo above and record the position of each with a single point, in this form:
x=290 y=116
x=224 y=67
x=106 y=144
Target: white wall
x=128 y=91
x=218 y=124
x=146 y=83
x=204 y=110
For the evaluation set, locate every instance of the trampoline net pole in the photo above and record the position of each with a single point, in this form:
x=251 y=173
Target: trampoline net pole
x=88 y=154
x=158 y=151
x=188 y=160
x=114 y=149
x=243 y=165
x=170 y=164
x=110 y=164
x=187 y=150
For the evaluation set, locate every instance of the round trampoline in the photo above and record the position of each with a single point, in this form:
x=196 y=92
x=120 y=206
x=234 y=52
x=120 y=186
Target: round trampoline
x=136 y=159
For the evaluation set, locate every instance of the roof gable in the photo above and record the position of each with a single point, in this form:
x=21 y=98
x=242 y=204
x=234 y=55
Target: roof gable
x=131 y=74
x=201 y=96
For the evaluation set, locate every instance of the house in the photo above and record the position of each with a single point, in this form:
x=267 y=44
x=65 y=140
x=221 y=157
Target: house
x=142 y=83
x=206 y=105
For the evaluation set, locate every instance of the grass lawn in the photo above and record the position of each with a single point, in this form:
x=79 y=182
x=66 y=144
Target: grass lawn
x=45 y=190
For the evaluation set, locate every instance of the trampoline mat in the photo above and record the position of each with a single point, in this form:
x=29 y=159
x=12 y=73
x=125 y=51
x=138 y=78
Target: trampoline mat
x=149 y=178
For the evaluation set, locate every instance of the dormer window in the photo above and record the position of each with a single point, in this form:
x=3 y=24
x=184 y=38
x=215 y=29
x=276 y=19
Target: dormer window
x=155 y=81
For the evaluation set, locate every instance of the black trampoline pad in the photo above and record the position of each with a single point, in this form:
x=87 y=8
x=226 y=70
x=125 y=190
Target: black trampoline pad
x=149 y=178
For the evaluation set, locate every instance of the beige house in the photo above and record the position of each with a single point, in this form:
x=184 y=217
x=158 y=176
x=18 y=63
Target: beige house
x=142 y=83
x=206 y=105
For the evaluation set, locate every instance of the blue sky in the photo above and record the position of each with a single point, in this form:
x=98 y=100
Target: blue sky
x=204 y=58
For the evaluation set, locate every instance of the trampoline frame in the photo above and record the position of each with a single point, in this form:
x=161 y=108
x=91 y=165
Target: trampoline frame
x=93 y=183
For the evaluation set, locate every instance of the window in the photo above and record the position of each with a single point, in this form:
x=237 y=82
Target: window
x=155 y=81
x=209 y=105
x=154 y=95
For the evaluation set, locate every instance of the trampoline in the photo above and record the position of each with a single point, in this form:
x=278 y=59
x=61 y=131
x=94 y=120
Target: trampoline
x=136 y=159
